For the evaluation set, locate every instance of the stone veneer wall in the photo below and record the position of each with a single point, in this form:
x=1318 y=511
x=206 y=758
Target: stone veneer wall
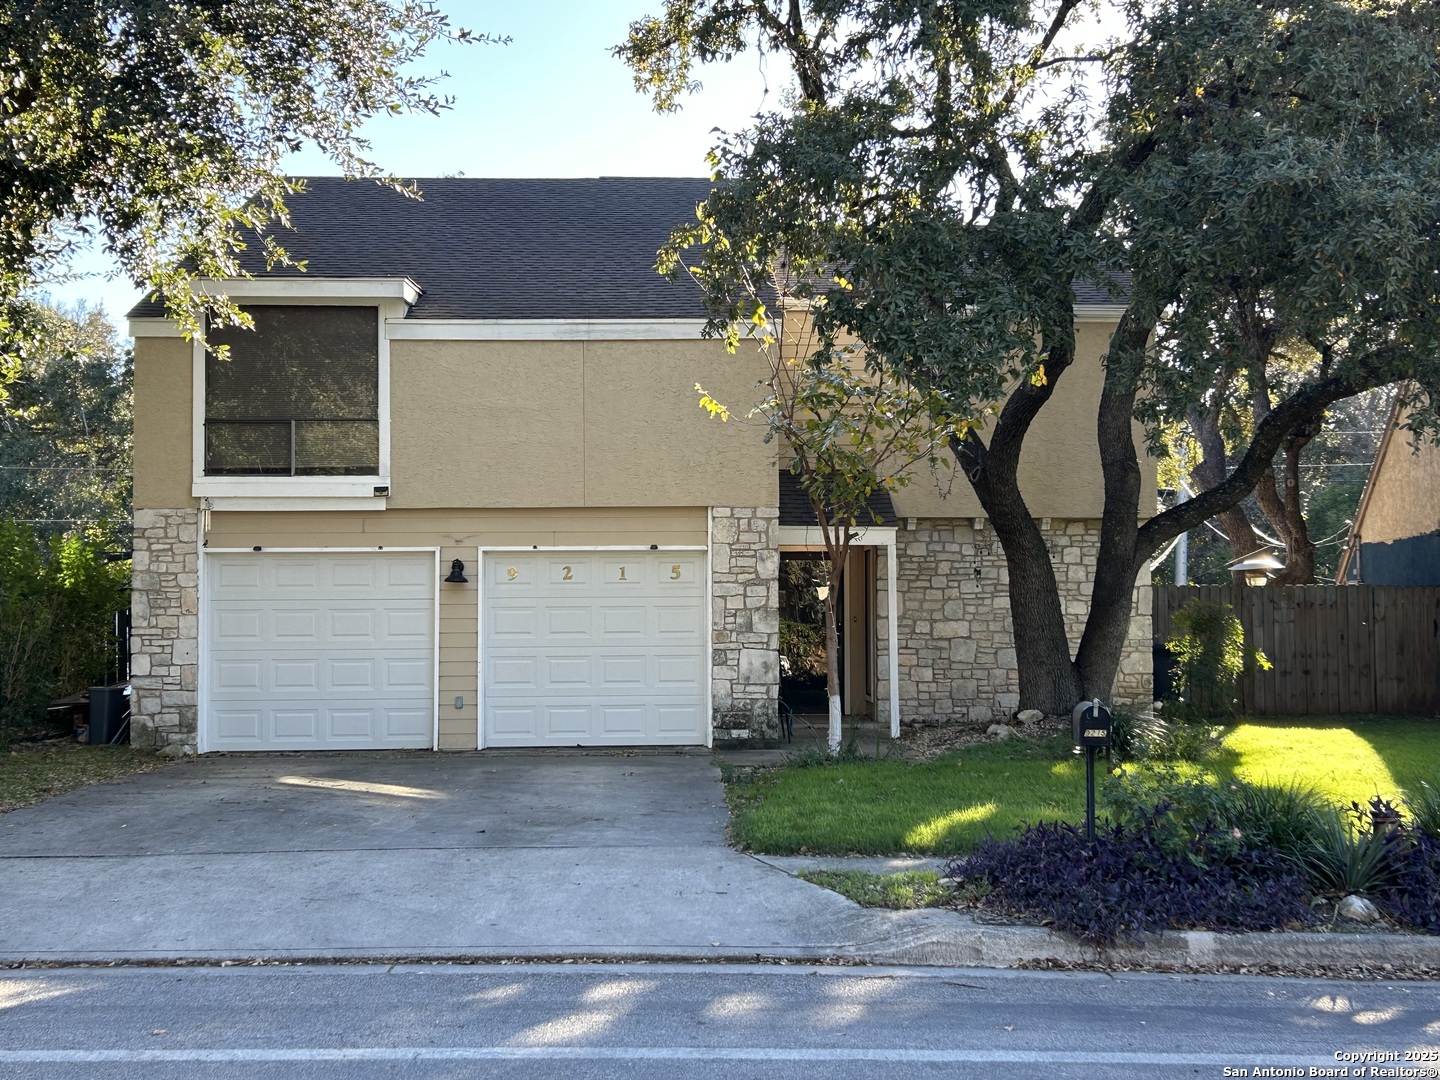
x=745 y=624
x=955 y=641
x=164 y=629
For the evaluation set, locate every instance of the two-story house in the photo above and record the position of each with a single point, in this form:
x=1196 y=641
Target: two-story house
x=454 y=491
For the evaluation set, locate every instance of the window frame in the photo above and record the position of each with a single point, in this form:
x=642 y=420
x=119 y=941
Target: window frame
x=391 y=298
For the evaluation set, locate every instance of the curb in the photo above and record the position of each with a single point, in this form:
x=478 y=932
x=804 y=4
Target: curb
x=948 y=939
x=927 y=938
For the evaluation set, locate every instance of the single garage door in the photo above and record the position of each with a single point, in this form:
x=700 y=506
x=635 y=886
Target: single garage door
x=319 y=652
x=594 y=649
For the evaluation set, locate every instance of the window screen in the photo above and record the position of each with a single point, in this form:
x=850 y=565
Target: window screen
x=297 y=396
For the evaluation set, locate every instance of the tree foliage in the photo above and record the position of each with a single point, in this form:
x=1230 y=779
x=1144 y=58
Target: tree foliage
x=160 y=127
x=1241 y=175
x=65 y=429
x=844 y=432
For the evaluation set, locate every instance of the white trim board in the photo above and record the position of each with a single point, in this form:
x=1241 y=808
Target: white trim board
x=544 y=329
x=811 y=536
x=305 y=289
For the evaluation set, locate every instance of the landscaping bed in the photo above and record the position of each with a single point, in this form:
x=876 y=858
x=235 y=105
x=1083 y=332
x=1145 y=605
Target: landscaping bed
x=32 y=772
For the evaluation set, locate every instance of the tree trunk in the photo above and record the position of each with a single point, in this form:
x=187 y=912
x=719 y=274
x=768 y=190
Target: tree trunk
x=1102 y=645
x=1209 y=471
x=1299 y=551
x=1047 y=677
x=832 y=660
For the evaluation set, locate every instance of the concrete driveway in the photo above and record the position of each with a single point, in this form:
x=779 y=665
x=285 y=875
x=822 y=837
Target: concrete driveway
x=404 y=854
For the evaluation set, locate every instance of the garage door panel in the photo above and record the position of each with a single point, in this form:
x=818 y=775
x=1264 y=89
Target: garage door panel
x=303 y=625
x=235 y=725
x=292 y=574
x=622 y=622
x=678 y=671
x=566 y=622
x=628 y=720
x=678 y=720
x=675 y=621
x=566 y=672
x=594 y=649
x=626 y=671
x=323 y=652
x=289 y=676
x=240 y=676
x=511 y=624
x=515 y=725
x=294 y=724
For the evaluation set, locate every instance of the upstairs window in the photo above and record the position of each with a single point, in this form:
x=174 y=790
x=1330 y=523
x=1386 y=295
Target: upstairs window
x=299 y=395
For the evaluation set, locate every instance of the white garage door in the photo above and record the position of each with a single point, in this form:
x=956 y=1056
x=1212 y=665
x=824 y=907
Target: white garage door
x=594 y=649
x=319 y=652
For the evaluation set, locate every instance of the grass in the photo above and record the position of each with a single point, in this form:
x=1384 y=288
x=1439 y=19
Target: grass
x=891 y=807
x=946 y=806
x=31 y=774
x=903 y=890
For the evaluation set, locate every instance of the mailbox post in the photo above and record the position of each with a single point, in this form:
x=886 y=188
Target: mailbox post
x=1090 y=726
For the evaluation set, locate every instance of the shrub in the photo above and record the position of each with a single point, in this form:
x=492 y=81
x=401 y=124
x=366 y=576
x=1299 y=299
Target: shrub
x=1348 y=856
x=1423 y=805
x=57 y=600
x=1412 y=893
x=1208 y=821
x=1129 y=881
x=1208 y=644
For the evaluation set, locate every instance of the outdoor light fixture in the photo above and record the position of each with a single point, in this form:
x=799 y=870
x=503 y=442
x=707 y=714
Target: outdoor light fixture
x=1257 y=566
x=457 y=574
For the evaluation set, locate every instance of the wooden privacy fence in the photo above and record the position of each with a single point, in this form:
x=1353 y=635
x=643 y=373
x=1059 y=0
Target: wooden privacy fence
x=1333 y=648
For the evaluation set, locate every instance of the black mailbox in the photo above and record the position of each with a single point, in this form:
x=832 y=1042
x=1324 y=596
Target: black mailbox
x=1090 y=725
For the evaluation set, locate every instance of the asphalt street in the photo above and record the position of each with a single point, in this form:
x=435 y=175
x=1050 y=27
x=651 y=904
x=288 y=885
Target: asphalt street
x=731 y=1021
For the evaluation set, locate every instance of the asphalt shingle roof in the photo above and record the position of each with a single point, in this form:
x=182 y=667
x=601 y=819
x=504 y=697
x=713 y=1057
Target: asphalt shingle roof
x=498 y=249
x=795 y=508
x=506 y=248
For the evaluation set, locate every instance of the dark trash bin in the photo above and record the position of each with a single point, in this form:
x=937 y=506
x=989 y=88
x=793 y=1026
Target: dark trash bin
x=109 y=713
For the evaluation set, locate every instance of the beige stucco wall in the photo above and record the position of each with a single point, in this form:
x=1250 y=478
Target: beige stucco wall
x=1404 y=499
x=515 y=423
x=1060 y=464
x=163 y=377
x=458 y=534
x=570 y=423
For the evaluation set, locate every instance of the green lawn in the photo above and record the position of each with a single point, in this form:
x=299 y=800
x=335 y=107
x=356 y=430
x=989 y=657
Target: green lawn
x=30 y=774
x=904 y=890
x=944 y=807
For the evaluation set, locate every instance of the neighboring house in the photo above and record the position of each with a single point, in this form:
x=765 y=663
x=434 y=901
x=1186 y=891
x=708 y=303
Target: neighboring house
x=496 y=375
x=1396 y=536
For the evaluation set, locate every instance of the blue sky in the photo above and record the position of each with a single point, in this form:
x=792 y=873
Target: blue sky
x=551 y=103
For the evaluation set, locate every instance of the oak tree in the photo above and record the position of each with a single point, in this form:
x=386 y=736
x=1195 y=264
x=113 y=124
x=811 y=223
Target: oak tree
x=1239 y=173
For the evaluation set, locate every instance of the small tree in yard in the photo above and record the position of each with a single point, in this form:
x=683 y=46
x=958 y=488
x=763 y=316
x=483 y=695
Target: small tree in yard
x=845 y=433
x=1266 y=171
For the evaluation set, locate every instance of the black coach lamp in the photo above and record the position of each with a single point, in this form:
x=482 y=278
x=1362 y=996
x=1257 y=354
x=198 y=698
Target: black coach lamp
x=457 y=574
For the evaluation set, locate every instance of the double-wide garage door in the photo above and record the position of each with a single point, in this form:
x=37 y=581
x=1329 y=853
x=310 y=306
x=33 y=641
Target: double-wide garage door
x=337 y=651
x=319 y=652
x=594 y=648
